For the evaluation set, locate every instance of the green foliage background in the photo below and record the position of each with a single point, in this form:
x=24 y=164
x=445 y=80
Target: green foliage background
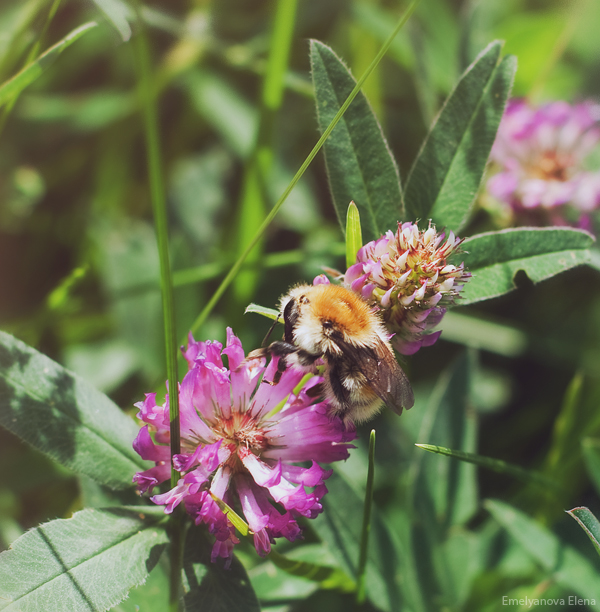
x=515 y=378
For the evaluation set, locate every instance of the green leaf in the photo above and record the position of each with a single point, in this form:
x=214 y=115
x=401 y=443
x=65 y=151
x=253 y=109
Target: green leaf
x=594 y=261
x=270 y=313
x=478 y=333
x=273 y=584
x=492 y=464
x=353 y=234
x=457 y=561
x=130 y=272
x=332 y=577
x=81 y=112
x=450 y=489
x=206 y=173
x=563 y=459
x=224 y=108
x=564 y=564
x=359 y=162
x=63 y=416
x=14 y=86
x=328 y=576
x=152 y=596
x=340 y=525
x=589 y=523
x=118 y=13
x=208 y=587
x=88 y=562
x=495 y=258
x=445 y=177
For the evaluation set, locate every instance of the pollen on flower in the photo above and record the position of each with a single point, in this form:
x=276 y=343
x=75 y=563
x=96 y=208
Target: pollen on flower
x=235 y=449
x=407 y=277
x=539 y=168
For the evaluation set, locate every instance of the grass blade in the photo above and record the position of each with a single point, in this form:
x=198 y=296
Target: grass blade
x=13 y=87
x=263 y=228
x=492 y=464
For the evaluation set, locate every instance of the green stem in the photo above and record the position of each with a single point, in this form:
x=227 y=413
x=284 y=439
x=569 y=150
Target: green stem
x=159 y=209
x=262 y=229
x=366 y=526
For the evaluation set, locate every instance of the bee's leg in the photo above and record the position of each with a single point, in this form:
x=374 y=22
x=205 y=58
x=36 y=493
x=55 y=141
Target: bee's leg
x=255 y=354
x=280 y=349
x=316 y=391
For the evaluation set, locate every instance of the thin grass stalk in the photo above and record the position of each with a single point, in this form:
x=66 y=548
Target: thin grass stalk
x=366 y=525
x=159 y=209
x=269 y=218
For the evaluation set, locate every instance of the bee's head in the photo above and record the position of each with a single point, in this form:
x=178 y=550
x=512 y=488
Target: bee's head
x=320 y=317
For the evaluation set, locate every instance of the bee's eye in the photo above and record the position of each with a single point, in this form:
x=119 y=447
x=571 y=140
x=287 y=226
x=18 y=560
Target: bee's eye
x=327 y=325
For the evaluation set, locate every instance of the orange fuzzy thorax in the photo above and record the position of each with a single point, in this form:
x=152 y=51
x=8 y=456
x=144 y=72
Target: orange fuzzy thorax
x=350 y=314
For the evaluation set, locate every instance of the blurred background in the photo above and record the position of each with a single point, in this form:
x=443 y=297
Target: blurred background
x=79 y=271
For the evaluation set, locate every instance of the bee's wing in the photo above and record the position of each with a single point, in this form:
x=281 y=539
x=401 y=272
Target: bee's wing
x=386 y=378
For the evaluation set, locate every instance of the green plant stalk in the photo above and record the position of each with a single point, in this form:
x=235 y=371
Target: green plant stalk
x=159 y=209
x=158 y=199
x=269 y=218
x=253 y=203
x=366 y=526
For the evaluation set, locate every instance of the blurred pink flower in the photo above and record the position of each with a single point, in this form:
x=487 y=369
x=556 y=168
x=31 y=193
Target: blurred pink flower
x=408 y=278
x=239 y=446
x=540 y=153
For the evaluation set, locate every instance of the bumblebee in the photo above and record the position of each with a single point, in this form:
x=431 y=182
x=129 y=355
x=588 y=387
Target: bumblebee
x=333 y=326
